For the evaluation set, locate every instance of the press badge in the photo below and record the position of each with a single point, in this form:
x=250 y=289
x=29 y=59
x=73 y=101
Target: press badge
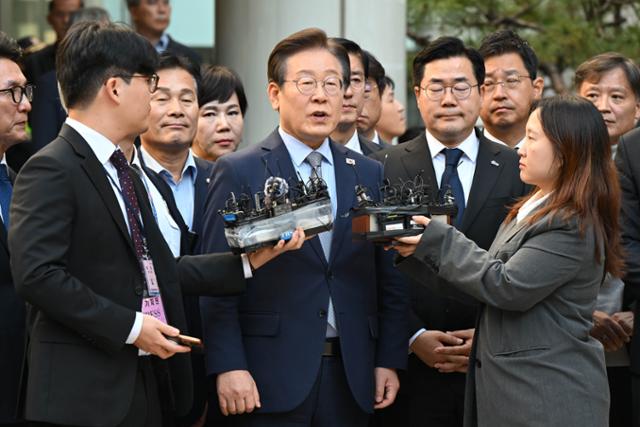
x=153 y=306
x=150 y=277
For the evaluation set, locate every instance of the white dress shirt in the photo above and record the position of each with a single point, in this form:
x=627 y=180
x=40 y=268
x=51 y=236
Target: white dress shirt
x=354 y=143
x=488 y=135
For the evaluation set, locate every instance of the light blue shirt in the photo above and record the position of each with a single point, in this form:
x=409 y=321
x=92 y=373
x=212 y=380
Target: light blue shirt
x=163 y=43
x=183 y=190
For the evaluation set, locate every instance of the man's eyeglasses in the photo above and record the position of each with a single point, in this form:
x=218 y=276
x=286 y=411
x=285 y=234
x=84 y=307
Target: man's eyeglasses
x=152 y=80
x=436 y=91
x=18 y=92
x=510 y=83
x=307 y=85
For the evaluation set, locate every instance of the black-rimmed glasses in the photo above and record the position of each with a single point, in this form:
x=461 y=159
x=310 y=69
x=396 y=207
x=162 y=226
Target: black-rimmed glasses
x=152 y=80
x=18 y=92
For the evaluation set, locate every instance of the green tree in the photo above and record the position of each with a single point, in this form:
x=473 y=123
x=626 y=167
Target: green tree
x=563 y=33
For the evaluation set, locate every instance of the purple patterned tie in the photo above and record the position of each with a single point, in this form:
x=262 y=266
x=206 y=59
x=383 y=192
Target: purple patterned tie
x=130 y=200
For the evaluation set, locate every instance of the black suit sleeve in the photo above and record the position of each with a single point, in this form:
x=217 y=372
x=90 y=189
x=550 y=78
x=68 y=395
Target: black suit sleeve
x=211 y=274
x=42 y=223
x=630 y=216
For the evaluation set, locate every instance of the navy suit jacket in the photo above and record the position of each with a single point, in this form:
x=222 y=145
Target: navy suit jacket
x=276 y=330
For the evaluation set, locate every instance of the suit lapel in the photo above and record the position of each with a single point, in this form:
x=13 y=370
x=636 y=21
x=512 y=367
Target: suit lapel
x=488 y=168
x=345 y=177
x=277 y=162
x=200 y=191
x=98 y=176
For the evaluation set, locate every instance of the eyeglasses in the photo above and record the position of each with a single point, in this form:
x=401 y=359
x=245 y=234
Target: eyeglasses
x=436 y=91
x=510 y=83
x=152 y=80
x=307 y=85
x=18 y=92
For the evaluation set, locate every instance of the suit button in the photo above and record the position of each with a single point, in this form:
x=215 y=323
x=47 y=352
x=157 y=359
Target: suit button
x=329 y=275
x=322 y=313
x=138 y=290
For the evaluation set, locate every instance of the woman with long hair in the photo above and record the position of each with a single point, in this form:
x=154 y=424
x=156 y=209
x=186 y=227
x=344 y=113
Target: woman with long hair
x=533 y=361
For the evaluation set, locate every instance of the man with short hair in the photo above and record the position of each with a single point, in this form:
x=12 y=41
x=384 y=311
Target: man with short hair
x=316 y=339
x=346 y=132
x=511 y=87
x=151 y=19
x=392 y=123
x=611 y=82
x=372 y=109
x=483 y=178
x=87 y=255
x=44 y=60
x=15 y=97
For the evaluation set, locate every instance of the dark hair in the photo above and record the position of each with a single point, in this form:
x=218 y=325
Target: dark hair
x=593 y=68
x=170 y=61
x=587 y=186
x=444 y=48
x=388 y=81
x=310 y=38
x=91 y=52
x=219 y=83
x=53 y=2
x=355 y=49
x=508 y=41
x=133 y=3
x=9 y=48
x=376 y=72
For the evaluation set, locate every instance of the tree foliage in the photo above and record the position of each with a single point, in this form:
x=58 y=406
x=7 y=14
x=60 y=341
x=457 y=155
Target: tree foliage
x=563 y=33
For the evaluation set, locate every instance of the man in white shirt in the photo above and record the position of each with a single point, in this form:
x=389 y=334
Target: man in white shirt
x=483 y=177
x=511 y=87
x=346 y=132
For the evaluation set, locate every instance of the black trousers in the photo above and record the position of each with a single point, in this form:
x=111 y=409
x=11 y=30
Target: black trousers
x=329 y=404
x=620 y=411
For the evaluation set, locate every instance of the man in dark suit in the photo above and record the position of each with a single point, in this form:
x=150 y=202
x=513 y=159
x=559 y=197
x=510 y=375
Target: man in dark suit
x=370 y=114
x=165 y=150
x=346 y=133
x=88 y=257
x=317 y=337
x=629 y=169
x=151 y=18
x=483 y=177
x=14 y=106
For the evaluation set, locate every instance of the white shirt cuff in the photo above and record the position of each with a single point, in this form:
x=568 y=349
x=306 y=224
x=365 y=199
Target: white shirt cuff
x=415 y=337
x=135 y=329
x=246 y=266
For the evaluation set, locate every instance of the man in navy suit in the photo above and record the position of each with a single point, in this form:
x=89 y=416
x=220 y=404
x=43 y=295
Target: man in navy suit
x=14 y=106
x=318 y=335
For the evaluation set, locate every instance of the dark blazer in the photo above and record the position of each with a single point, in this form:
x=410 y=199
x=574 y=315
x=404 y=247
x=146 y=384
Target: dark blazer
x=74 y=262
x=368 y=147
x=182 y=50
x=12 y=333
x=276 y=330
x=40 y=62
x=496 y=184
x=47 y=114
x=628 y=165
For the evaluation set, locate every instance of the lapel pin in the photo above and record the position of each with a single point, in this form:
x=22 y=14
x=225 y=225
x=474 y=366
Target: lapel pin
x=494 y=163
x=351 y=161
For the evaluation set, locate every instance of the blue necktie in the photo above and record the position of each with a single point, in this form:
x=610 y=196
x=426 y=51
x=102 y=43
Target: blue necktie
x=5 y=194
x=451 y=180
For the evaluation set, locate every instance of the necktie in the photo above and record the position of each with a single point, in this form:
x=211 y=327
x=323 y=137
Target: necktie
x=315 y=161
x=130 y=201
x=451 y=180
x=6 y=190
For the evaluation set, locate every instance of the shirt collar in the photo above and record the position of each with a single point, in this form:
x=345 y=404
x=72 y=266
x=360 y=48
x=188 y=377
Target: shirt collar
x=354 y=143
x=151 y=163
x=469 y=146
x=299 y=151
x=488 y=135
x=530 y=205
x=376 y=137
x=101 y=146
x=163 y=43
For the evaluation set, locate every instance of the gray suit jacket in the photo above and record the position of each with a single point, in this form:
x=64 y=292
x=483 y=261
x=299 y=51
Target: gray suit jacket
x=533 y=361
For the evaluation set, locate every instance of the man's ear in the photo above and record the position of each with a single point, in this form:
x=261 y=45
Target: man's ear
x=538 y=87
x=112 y=88
x=273 y=91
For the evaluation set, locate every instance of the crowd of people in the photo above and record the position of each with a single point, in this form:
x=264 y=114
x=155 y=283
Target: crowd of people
x=119 y=149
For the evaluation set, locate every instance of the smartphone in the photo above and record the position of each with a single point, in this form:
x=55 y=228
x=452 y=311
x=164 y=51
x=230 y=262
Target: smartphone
x=186 y=340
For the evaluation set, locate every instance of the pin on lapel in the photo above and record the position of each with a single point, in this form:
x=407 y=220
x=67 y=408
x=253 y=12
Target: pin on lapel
x=350 y=161
x=494 y=163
